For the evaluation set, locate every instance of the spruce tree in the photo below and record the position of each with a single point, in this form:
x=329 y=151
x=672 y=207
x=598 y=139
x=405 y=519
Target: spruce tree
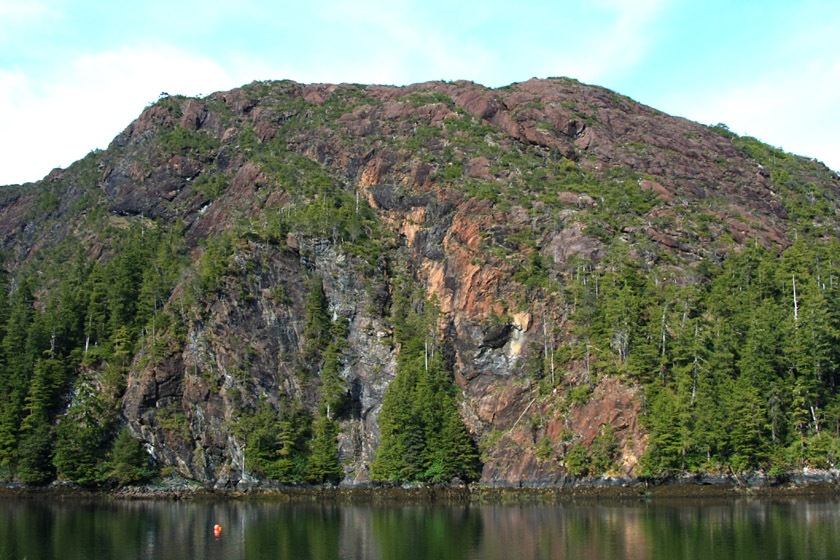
x=36 y=452
x=323 y=456
x=128 y=461
x=422 y=435
x=316 y=326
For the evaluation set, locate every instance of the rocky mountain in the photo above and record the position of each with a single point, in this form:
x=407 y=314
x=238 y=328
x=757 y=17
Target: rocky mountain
x=235 y=269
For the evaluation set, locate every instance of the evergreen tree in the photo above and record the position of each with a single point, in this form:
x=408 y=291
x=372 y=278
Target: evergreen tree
x=316 y=326
x=603 y=449
x=276 y=441
x=49 y=379
x=454 y=453
x=746 y=420
x=664 y=451
x=4 y=301
x=21 y=346
x=401 y=433
x=323 y=458
x=81 y=433
x=128 y=461
x=96 y=315
x=333 y=387
x=36 y=452
x=422 y=435
x=576 y=460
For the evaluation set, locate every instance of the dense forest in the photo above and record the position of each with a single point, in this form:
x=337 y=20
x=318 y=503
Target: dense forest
x=446 y=310
x=738 y=362
x=57 y=422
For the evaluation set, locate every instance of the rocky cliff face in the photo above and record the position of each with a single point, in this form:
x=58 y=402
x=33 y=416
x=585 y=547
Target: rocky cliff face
x=490 y=200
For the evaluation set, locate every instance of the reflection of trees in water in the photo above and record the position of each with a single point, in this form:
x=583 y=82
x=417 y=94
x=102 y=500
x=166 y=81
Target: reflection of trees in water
x=41 y=529
x=564 y=531
x=300 y=532
x=745 y=529
x=101 y=529
x=425 y=532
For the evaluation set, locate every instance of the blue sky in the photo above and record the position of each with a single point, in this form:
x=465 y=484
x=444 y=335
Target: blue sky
x=73 y=74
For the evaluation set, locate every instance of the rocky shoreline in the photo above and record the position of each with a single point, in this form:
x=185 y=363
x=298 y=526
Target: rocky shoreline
x=687 y=486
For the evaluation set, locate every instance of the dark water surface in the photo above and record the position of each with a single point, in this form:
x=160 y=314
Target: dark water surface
x=720 y=530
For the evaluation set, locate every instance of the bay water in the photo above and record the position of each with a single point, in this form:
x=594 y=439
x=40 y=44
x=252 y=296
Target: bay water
x=790 y=529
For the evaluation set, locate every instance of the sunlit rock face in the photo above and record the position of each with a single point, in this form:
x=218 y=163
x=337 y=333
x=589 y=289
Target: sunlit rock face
x=491 y=202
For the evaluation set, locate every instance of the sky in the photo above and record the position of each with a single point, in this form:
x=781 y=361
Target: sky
x=75 y=73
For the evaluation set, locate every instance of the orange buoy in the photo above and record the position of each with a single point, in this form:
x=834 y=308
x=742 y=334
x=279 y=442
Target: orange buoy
x=217 y=529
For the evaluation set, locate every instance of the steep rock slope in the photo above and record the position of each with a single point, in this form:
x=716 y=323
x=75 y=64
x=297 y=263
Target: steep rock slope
x=496 y=205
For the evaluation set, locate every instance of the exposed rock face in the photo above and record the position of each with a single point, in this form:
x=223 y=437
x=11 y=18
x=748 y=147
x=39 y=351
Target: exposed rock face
x=462 y=222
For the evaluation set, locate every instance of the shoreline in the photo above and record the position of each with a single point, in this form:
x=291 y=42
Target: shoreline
x=687 y=486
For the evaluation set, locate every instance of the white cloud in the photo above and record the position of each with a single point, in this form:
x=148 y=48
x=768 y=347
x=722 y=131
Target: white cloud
x=85 y=104
x=392 y=43
x=614 y=38
x=795 y=110
x=12 y=11
x=404 y=42
x=795 y=107
x=21 y=20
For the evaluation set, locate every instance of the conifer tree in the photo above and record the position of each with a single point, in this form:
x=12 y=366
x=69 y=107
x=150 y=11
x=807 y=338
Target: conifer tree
x=422 y=435
x=323 y=457
x=21 y=347
x=275 y=441
x=316 y=326
x=36 y=452
x=128 y=461
x=746 y=420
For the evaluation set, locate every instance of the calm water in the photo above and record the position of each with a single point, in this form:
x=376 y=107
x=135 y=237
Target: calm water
x=743 y=530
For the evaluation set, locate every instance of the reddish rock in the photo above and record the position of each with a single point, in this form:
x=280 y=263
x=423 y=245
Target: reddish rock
x=376 y=168
x=476 y=102
x=193 y=114
x=661 y=192
x=240 y=342
x=479 y=168
x=265 y=131
x=250 y=176
x=419 y=174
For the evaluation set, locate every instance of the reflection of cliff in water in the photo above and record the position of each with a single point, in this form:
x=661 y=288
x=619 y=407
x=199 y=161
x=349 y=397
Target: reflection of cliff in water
x=596 y=529
x=589 y=531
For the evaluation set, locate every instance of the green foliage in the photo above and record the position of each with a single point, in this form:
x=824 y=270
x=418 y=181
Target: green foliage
x=128 y=461
x=276 y=441
x=422 y=435
x=603 y=450
x=172 y=420
x=81 y=435
x=316 y=326
x=722 y=130
x=544 y=450
x=580 y=394
x=799 y=184
x=533 y=272
x=35 y=454
x=50 y=198
x=323 y=463
x=213 y=264
x=576 y=460
x=323 y=341
x=87 y=316
x=211 y=186
x=421 y=98
x=183 y=142
x=739 y=372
